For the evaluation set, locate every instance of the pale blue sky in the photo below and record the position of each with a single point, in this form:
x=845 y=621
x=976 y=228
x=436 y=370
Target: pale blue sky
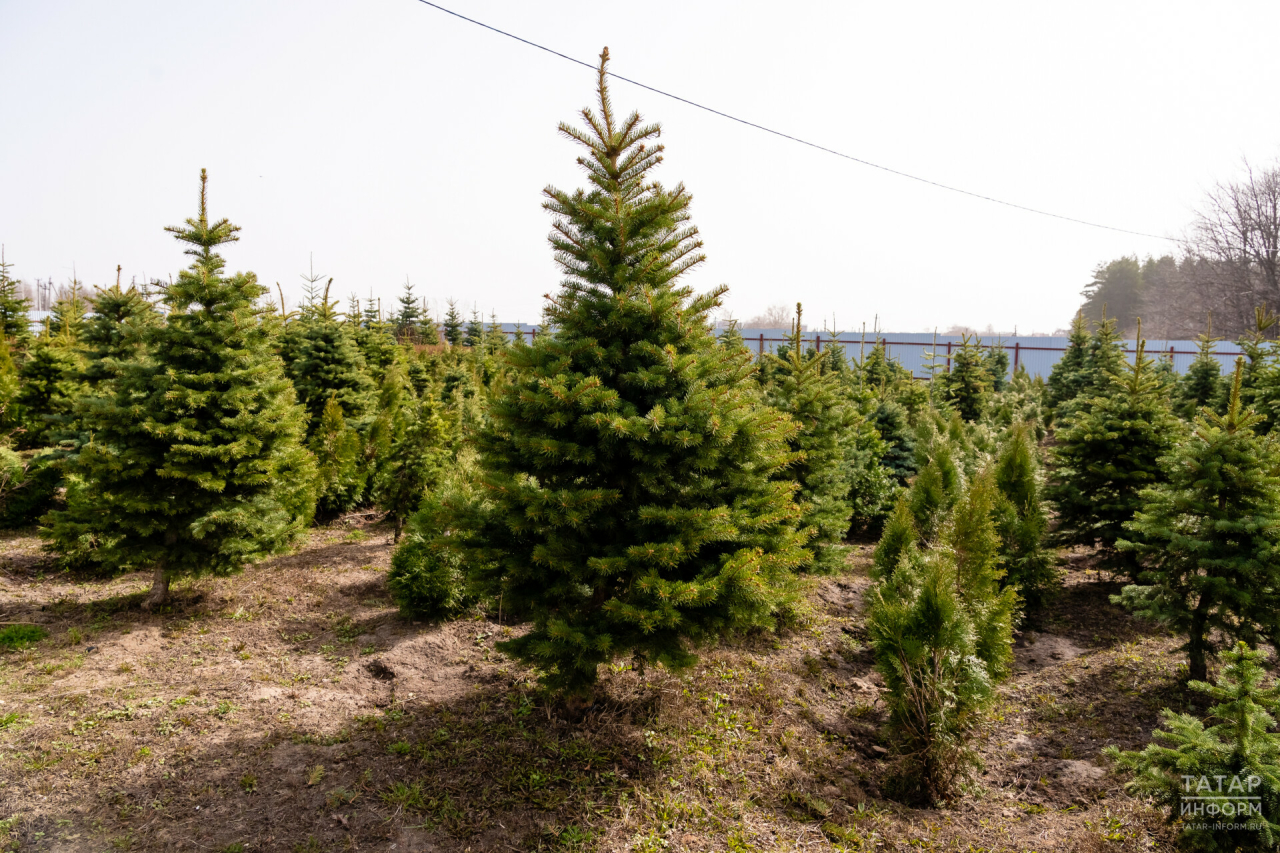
x=390 y=139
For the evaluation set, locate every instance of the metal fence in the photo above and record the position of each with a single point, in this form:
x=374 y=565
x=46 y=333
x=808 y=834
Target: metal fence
x=915 y=352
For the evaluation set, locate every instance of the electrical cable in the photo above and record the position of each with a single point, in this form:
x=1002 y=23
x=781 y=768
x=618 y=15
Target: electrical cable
x=787 y=136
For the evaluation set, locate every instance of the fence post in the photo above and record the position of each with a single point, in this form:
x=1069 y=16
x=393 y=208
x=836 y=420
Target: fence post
x=1016 y=347
x=948 y=356
x=762 y=343
x=819 y=339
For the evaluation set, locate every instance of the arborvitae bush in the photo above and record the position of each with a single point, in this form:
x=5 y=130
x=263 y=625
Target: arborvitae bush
x=1069 y=376
x=341 y=478
x=967 y=386
x=815 y=399
x=630 y=471
x=1021 y=519
x=941 y=629
x=898 y=537
x=1209 y=538
x=1105 y=455
x=416 y=462
x=974 y=541
x=937 y=689
x=197 y=463
x=1228 y=773
x=934 y=490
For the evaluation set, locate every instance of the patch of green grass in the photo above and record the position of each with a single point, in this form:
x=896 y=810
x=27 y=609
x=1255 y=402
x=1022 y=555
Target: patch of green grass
x=18 y=637
x=9 y=719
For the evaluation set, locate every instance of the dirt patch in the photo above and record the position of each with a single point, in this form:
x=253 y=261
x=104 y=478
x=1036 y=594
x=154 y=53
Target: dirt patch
x=290 y=708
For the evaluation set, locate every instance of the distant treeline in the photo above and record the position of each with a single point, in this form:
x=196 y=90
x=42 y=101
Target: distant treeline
x=1228 y=265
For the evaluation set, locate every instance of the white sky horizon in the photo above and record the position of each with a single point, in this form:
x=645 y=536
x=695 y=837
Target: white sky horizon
x=386 y=139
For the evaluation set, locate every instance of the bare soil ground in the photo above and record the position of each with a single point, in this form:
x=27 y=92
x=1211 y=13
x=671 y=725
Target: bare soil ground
x=290 y=708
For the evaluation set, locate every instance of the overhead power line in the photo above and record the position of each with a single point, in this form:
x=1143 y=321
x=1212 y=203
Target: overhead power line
x=805 y=142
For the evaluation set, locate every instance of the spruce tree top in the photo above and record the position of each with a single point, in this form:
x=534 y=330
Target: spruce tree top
x=113 y=333
x=628 y=464
x=1068 y=377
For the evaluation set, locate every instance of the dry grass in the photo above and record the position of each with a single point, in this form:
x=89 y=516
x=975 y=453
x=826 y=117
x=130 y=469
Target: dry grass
x=290 y=708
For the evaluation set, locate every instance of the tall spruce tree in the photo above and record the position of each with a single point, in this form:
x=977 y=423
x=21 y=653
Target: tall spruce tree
x=814 y=398
x=1209 y=538
x=197 y=463
x=1106 y=454
x=633 y=505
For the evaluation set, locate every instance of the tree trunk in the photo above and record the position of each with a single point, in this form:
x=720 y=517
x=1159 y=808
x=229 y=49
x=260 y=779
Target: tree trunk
x=1198 y=645
x=399 y=527
x=159 y=588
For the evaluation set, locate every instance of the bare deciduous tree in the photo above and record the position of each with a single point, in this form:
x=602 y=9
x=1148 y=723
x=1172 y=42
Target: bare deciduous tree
x=1231 y=262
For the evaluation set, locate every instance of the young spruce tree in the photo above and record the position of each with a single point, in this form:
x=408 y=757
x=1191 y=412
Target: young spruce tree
x=416 y=461
x=197 y=463
x=1068 y=378
x=1228 y=773
x=1202 y=384
x=633 y=506
x=1209 y=538
x=1107 y=453
x=814 y=398
x=15 y=323
x=967 y=386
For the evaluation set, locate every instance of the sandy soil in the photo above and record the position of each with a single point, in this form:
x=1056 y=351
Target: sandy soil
x=290 y=708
